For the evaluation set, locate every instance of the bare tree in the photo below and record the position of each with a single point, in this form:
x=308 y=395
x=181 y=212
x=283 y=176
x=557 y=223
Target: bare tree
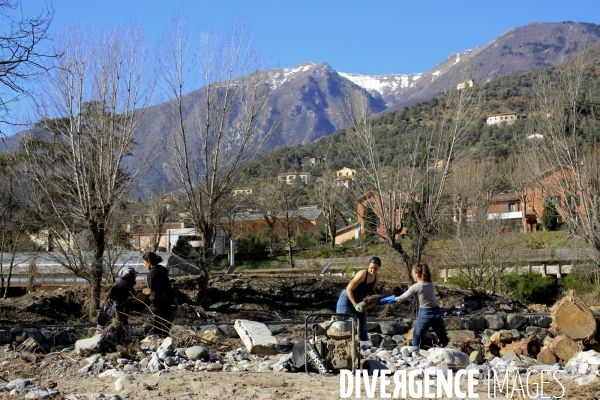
x=472 y=187
x=81 y=155
x=216 y=128
x=268 y=208
x=23 y=57
x=482 y=251
x=285 y=196
x=15 y=221
x=159 y=209
x=331 y=198
x=566 y=114
x=484 y=254
x=420 y=183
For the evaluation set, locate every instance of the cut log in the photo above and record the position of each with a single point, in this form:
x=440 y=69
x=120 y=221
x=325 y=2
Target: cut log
x=573 y=318
x=547 y=357
x=492 y=348
x=564 y=347
x=529 y=347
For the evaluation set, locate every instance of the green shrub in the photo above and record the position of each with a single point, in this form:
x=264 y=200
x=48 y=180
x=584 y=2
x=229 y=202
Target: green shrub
x=252 y=246
x=304 y=241
x=531 y=287
x=581 y=281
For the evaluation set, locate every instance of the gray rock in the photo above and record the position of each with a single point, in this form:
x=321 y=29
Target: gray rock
x=15 y=330
x=154 y=365
x=214 y=367
x=129 y=368
x=29 y=333
x=122 y=383
x=535 y=330
x=375 y=338
x=41 y=394
x=275 y=329
x=475 y=323
x=93 y=345
x=543 y=321
x=454 y=324
x=494 y=322
x=196 y=353
x=487 y=334
x=20 y=384
x=460 y=336
x=515 y=321
x=373 y=326
x=5 y=336
x=387 y=328
x=399 y=338
x=62 y=338
x=167 y=344
x=388 y=342
x=170 y=361
x=511 y=356
x=229 y=331
x=514 y=333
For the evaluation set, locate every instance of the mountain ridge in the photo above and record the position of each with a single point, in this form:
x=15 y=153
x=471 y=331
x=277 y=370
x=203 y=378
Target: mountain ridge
x=309 y=96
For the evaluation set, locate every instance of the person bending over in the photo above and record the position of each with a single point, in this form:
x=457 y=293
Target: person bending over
x=360 y=286
x=429 y=310
x=121 y=298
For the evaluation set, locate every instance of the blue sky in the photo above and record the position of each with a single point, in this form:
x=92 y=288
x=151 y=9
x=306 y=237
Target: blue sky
x=375 y=37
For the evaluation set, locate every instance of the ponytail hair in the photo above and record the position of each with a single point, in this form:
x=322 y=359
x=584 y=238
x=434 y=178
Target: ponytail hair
x=152 y=258
x=423 y=271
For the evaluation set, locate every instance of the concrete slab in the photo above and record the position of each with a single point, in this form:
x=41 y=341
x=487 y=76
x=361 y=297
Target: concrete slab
x=257 y=338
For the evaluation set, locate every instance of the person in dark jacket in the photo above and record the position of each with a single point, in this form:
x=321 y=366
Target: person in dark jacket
x=121 y=298
x=362 y=285
x=162 y=296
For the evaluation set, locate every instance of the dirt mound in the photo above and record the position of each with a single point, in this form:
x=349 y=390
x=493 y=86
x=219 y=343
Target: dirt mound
x=241 y=296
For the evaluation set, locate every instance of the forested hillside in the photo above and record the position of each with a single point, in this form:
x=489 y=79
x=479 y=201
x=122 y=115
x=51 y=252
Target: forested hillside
x=397 y=131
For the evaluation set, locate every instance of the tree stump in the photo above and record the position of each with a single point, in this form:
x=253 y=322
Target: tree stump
x=529 y=347
x=564 y=347
x=547 y=357
x=573 y=318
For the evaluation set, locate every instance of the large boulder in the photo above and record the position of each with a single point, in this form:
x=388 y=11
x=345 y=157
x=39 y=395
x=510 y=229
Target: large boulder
x=460 y=336
x=515 y=321
x=494 y=322
x=448 y=356
x=543 y=321
x=475 y=323
x=95 y=344
x=196 y=353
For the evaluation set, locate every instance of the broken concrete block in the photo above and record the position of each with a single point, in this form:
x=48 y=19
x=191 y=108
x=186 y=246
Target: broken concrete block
x=257 y=338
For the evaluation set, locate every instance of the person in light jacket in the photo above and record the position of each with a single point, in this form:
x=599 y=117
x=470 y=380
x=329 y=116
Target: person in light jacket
x=429 y=310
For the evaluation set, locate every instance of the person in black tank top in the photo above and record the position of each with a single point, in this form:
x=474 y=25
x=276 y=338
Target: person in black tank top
x=362 y=285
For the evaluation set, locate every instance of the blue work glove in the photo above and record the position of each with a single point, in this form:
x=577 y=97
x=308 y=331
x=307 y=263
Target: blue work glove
x=386 y=300
x=358 y=308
